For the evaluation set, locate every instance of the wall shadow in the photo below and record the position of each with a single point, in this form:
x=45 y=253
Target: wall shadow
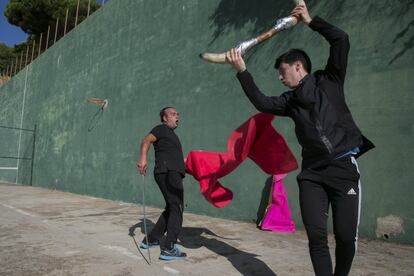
x=264 y=200
x=408 y=44
x=234 y=14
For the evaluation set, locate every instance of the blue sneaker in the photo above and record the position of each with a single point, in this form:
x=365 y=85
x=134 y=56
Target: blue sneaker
x=172 y=254
x=144 y=245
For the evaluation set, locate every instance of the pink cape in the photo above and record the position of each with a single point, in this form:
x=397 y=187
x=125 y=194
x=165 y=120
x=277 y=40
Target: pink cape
x=277 y=215
x=257 y=139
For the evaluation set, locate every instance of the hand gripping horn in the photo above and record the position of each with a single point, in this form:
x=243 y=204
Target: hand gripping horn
x=281 y=24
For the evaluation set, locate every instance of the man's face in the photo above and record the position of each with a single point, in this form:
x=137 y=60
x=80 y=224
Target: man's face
x=289 y=74
x=171 y=118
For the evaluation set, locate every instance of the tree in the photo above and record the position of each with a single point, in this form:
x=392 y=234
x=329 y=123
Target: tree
x=9 y=55
x=34 y=17
x=6 y=56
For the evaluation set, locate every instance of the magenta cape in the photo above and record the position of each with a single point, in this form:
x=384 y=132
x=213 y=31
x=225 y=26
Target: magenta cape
x=277 y=215
x=257 y=139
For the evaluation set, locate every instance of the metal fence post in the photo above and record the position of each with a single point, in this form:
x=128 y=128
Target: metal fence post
x=33 y=49
x=66 y=22
x=77 y=12
x=15 y=66
x=89 y=8
x=47 y=37
x=56 y=29
x=11 y=69
x=33 y=155
x=40 y=44
x=27 y=55
x=21 y=60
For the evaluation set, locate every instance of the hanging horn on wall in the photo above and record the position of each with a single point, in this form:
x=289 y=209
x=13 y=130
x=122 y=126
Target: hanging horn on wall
x=103 y=103
x=281 y=24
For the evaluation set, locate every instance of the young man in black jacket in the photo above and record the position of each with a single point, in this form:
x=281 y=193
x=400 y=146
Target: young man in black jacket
x=169 y=172
x=329 y=138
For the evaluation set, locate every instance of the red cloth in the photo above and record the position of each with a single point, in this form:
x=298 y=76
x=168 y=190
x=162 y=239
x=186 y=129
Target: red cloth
x=257 y=139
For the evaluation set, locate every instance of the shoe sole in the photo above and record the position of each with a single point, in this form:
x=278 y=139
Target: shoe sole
x=171 y=258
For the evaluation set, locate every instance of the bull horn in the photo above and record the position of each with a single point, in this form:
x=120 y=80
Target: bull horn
x=281 y=24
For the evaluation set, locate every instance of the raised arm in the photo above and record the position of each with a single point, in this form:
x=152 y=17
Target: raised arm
x=274 y=105
x=338 y=53
x=263 y=103
x=142 y=163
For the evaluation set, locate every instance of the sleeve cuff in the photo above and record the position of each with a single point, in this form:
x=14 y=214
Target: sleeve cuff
x=314 y=23
x=243 y=74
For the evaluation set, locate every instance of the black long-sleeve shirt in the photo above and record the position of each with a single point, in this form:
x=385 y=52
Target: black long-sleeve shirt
x=323 y=123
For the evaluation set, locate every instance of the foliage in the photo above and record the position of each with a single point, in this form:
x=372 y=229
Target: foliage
x=34 y=16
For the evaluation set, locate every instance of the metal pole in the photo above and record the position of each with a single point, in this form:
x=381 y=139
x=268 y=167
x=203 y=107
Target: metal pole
x=77 y=12
x=15 y=65
x=47 y=37
x=56 y=29
x=89 y=7
x=27 y=55
x=40 y=44
x=11 y=69
x=33 y=155
x=21 y=60
x=33 y=49
x=66 y=21
x=145 y=217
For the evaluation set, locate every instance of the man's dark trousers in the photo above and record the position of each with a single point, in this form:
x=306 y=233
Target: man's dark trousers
x=336 y=184
x=171 y=220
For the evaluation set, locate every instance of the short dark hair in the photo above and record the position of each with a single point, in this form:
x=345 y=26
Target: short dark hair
x=162 y=113
x=295 y=55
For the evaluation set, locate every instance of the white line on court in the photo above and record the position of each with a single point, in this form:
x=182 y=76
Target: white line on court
x=18 y=210
x=74 y=252
x=21 y=123
x=171 y=270
x=122 y=251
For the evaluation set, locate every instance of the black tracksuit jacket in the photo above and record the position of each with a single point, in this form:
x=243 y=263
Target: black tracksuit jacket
x=323 y=123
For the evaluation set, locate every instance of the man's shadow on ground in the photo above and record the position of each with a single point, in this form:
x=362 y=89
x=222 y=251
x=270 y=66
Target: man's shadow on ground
x=196 y=237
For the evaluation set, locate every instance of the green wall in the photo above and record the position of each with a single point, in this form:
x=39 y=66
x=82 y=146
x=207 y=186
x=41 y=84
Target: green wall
x=143 y=55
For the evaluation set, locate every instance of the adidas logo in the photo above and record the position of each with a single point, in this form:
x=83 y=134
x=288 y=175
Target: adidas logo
x=352 y=192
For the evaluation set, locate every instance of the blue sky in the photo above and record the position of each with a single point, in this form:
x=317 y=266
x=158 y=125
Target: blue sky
x=9 y=34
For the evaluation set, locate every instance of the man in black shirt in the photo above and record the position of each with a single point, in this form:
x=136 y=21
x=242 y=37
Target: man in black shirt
x=169 y=172
x=329 y=138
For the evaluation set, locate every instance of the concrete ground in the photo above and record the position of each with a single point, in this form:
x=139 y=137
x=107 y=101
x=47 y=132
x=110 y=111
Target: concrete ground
x=46 y=232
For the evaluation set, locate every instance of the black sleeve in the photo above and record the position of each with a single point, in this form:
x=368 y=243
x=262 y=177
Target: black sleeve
x=274 y=105
x=158 y=131
x=338 y=53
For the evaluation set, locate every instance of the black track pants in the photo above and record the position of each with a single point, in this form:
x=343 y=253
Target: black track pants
x=336 y=184
x=171 y=219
